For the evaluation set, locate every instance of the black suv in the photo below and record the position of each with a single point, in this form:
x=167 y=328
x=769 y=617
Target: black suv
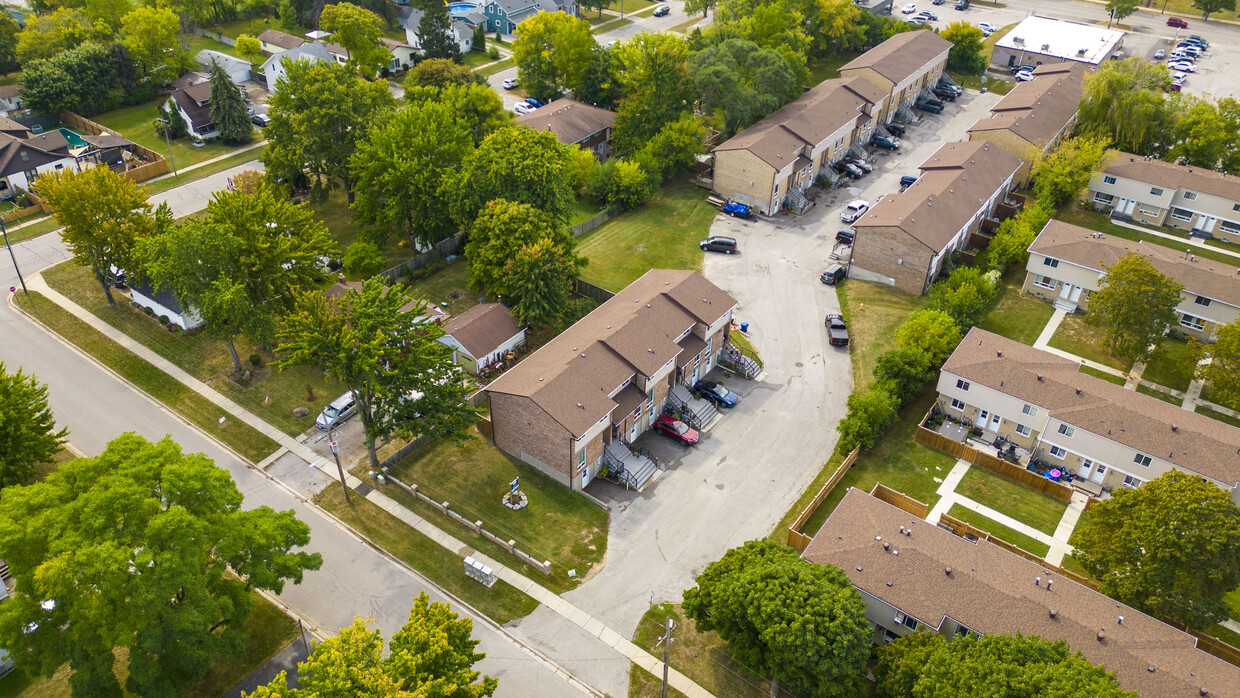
x=933 y=106
x=837 y=331
x=886 y=142
x=945 y=93
x=718 y=243
x=834 y=274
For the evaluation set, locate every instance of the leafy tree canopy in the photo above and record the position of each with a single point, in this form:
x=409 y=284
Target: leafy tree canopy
x=434 y=31
x=502 y=229
x=1123 y=101
x=359 y=31
x=520 y=165
x=745 y=81
x=1060 y=175
x=539 y=279
x=968 y=52
x=552 y=52
x=83 y=79
x=1223 y=373
x=1135 y=305
x=1209 y=7
x=28 y=434
x=151 y=36
x=934 y=332
x=229 y=112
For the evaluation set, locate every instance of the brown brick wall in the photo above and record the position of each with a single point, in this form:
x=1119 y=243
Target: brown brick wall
x=880 y=249
x=521 y=426
x=735 y=169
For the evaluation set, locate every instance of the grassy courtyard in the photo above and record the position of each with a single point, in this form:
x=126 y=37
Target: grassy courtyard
x=1021 y=503
x=1078 y=337
x=873 y=312
x=1172 y=365
x=663 y=233
x=338 y=217
x=998 y=530
x=448 y=285
x=1016 y=315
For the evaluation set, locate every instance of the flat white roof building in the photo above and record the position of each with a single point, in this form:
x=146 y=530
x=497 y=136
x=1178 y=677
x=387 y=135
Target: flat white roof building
x=1037 y=40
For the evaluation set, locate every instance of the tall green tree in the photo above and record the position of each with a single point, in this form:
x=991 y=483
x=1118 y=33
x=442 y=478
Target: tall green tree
x=657 y=85
x=1123 y=101
x=431 y=655
x=1204 y=133
x=402 y=168
x=903 y=370
x=1209 y=7
x=1223 y=373
x=289 y=21
x=968 y=52
x=596 y=5
x=434 y=31
x=1061 y=174
x=703 y=6
x=103 y=215
x=360 y=32
x=28 y=434
x=552 y=52
x=151 y=36
x=83 y=79
x=599 y=84
x=249 y=48
x=520 y=165
x=240 y=265
x=8 y=45
x=319 y=114
x=48 y=34
x=674 y=149
x=802 y=623
x=1119 y=9
x=933 y=332
x=437 y=73
x=403 y=380
x=228 y=109
x=1170 y=548
x=743 y=80
x=476 y=107
x=833 y=26
x=1134 y=305
x=146 y=548
x=503 y=229
x=539 y=278
x=870 y=412
x=966 y=294
x=924 y=664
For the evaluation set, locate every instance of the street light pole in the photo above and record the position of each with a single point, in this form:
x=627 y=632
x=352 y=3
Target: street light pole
x=13 y=256
x=345 y=485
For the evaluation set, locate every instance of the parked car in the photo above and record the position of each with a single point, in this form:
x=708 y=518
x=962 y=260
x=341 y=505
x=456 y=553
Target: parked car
x=1176 y=87
x=937 y=2
x=662 y=11
x=854 y=210
x=951 y=86
x=718 y=243
x=845 y=168
x=987 y=28
x=1185 y=66
x=716 y=393
x=837 y=331
x=845 y=236
x=522 y=108
x=676 y=430
x=510 y=83
x=260 y=120
x=895 y=129
x=909 y=8
x=1191 y=49
x=1177 y=22
x=885 y=142
x=337 y=412
x=834 y=274
x=1160 y=54
x=1179 y=56
x=860 y=164
x=944 y=93
x=1024 y=76
x=736 y=209
x=1198 y=39
x=915 y=20
x=907 y=181
x=535 y=102
x=962 y=4
x=928 y=16
x=929 y=106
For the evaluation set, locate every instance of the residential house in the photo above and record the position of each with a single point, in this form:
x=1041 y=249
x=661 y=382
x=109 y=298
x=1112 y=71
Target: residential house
x=789 y=149
x=459 y=31
x=482 y=335
x=429 y=312
x=1106 y=435
x=905 y=238
x=402 y=54
x=574 y=123
x=10 y=99
x=504 y=15
x=1067 y=264
x=24 y=156
x=275 y=67
x=1038 y=40
x=902 y=67
x=238 y=70
x=164 y=304
x=1154 y=192
x=915 y=575
x=1036 y=115
x=273 y=41
x=193 y=103
x=604 y=380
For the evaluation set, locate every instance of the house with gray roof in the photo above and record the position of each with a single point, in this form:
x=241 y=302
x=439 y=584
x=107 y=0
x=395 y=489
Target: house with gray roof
x=1204 y=202
x=1036 y=115
x=238 y=70
x=274 y=68
x=574 y=123
x=504 y=15
x=193 y=103
x=25 y=155
x=459 y=31
x=482 y=335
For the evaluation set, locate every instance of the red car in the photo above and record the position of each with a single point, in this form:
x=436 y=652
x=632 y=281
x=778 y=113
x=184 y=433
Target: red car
x=676 y=430
x=1177 y=22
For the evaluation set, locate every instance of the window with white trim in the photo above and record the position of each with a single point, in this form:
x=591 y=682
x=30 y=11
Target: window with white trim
x=1023 y=430
x=581 y=461
x=1133 y=482
x=1109 y=179
x=1235 y=207
x=1142 y=459
x=1104 y=199
x=1058 y=451
x=1147 y=210
x=889 y=636
x=957 y=405
x=907 y=621
x=1190 y=196
x=1229 y=227
x=1192 y=322
x=1044 y=282
x=1050 y=262
x=1155 y=191
x=1029 y=410
x=962 y=384
x=1202 y=301
x=1065 y=430
x=1180 y=214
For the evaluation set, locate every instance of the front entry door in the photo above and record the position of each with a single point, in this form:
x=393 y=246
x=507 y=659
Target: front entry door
x=994 y=423
x=1099 y=471
x=1064 y=290
x=633 y=428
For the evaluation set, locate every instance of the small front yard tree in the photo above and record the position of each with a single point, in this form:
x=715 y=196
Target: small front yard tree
x=743 y=80
x=802 y=623
x=968 y=52
x=870 y=412
x=431 y=655
x=103 y=215
x=1135 y=305
x=1059 y=176
x=145 y=548
x=28 y=434
x=359 y=31
x=539 y=278
x=1119 y=9
x=1223 y=373
x=434 y=31
x=932 y=332
x=228 y=109
x=402 y=379
x=1170 y=548
x=249 y=48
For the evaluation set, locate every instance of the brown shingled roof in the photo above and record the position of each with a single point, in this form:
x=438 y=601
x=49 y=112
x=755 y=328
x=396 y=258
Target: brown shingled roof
x=1170 y=176
x=1190 y=441
x=993 y=591
x=571 y=121
x=1086 y=248
x=279 y=38
x=483 y=328
x=902 y=55
x=956 y=180
x=1039 y=109
x=572 y=376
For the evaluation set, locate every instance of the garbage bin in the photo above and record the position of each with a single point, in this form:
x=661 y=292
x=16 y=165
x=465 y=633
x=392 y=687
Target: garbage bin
x=745 y=327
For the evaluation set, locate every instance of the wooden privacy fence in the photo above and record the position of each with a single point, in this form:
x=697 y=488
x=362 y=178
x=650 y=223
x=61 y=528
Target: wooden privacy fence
x=901 y=500
x=36 y=206
x=986 y=461
x=593 y=221
x=441 y=250
x=156 y=164
x=585 y=288
x=799 y=540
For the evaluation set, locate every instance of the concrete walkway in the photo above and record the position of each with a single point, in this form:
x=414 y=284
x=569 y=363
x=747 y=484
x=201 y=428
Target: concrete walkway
x=544 y=596
x=1043 y=343
x=947 y=491
x=1044 y=338
x=1063 y=532
x=1133 y=379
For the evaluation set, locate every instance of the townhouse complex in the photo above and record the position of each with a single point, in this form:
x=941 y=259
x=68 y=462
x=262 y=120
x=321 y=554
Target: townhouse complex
x=1036 y=115
x=1145 y=190
x=901 y=67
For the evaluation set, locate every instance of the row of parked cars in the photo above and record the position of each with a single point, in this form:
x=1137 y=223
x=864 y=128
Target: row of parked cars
x=684 y=434
x=1182 y=59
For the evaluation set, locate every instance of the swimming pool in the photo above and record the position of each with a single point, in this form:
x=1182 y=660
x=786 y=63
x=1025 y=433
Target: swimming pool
x=74 y=139
x=462 y=8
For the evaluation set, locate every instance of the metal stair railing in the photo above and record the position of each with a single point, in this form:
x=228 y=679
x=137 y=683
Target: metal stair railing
x=616 y=469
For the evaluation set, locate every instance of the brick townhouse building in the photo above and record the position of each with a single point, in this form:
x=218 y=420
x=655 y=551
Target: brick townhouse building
x=901 y=67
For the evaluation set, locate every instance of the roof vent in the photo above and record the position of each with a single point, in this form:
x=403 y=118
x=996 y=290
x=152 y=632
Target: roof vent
x=999 y=354
x=1078 y=391
x=1037 y=581
x=647 y=305
x=1102 y=635
x=858 y=568
x=886 y=546
x=1120 y=620
x=1150 y=668
x=1039 y=377
x=583 y=355
x=895 y=552
x=1054 y=613
x=579 y=405
x=878 y=537
x=1174 y=428
x=901 y=529
x=1204 y=692
x=888 y=583
x=947 y=571
x=540 y=380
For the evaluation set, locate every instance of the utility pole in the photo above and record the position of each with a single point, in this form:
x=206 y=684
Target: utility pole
x=167 y=125
x=13 y=256
x=666 y=641
x=345 y=485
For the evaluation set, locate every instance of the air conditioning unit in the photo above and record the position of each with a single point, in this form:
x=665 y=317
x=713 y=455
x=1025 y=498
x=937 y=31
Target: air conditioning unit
x=1046 y=47
x=1019 y=41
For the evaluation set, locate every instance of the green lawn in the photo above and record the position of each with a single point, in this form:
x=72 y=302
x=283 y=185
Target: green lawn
x=648 y=12
x=873 y=312
x=828 y=67
x=1016 y=315
x=252 y=26
x=1118 y=380
x=448 y=286
x=1074 y=214
x=558 y=525
x=33 y=229
x=268 y=628
x=663 y=233
x=1233 y=602
x=1171 y=365
x=1030 y=507
x=583 y=210
x=194 y=43
x=974 y=82
x=473 y=59
x=272 y=395
x=1077 y=336
x=629 y=6
x=1165 y=397
x=701 y=656
x=1214 y=414
x=184 y=177
x=643 y=684
x=501 y=603
x=496 y=67
x=338 y=217
x=193 y=407
x=998 y=530
x=137 y=124
x=683 y=27
x=616 y=24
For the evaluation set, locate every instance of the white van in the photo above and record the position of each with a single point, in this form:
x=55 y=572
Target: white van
x=337 y=412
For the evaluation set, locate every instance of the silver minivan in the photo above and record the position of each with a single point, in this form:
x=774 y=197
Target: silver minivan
x=337 y=412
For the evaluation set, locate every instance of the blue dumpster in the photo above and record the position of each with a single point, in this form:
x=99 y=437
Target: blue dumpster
x=745 y=327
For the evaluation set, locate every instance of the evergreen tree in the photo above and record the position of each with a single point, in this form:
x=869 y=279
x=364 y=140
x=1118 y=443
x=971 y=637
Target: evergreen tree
x=434 y=31
x=228 y=110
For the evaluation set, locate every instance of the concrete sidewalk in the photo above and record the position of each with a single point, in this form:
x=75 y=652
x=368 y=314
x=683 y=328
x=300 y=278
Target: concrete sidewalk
x=544 y=596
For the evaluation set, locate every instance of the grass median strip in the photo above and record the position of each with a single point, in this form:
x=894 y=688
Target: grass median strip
x=238 y=435
x=501 y=603
x=998 y=530
x=1027 y=506
x=187 y=176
